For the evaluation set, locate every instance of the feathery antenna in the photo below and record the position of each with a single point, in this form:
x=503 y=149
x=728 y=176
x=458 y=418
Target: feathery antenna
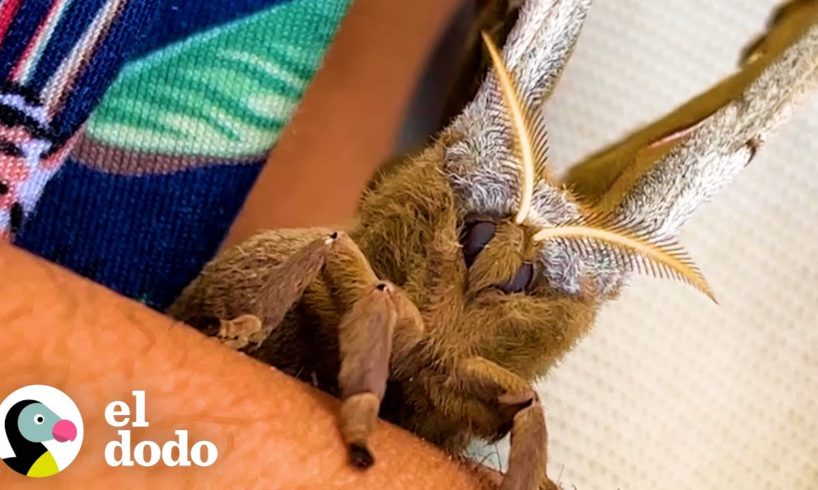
x=629 y=250
x=519 y=126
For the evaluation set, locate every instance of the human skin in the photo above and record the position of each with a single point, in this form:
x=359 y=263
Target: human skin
x=272 y=431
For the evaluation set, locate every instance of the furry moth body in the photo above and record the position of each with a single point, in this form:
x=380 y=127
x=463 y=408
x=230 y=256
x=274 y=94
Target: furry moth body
x=470 y=270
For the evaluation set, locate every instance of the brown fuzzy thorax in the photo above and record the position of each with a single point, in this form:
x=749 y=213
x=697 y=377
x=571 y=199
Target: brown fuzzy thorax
x=408 y=229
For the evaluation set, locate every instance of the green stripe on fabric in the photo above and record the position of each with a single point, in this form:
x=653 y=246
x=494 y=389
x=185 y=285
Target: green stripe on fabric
x=226 y=92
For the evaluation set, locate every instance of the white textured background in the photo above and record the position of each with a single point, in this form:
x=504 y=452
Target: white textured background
x=670 y=391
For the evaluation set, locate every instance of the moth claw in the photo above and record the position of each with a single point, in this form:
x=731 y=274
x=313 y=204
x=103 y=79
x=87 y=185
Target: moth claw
x=521 y=400
x=242 y=331
x=360 y=456
x=333 y=237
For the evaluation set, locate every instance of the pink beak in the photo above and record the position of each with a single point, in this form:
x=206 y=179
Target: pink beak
x=64 y=430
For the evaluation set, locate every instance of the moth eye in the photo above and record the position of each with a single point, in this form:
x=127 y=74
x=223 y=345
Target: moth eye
x=522 y=280
x=474 y=238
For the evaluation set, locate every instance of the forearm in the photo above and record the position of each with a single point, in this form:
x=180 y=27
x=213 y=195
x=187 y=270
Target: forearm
x=271 y=431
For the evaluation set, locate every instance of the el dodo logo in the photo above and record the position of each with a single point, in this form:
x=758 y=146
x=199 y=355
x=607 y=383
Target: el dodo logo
x=178 y=452
x=41 y=431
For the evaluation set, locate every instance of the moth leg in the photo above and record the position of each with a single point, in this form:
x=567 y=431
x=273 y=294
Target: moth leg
x=514 y=400
x=241 y=331
x=283 y=285
x=529 y=450
x=377 y=315
x=286 y=283
x=365 y=344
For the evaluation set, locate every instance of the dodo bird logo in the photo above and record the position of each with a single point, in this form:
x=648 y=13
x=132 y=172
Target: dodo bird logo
x=41 y=431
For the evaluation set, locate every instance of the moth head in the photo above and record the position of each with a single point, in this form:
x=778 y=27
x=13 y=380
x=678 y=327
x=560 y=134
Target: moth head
x=496 y=162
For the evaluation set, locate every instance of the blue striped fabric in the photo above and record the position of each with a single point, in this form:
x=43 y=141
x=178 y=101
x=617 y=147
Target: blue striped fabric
x=132 y=132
